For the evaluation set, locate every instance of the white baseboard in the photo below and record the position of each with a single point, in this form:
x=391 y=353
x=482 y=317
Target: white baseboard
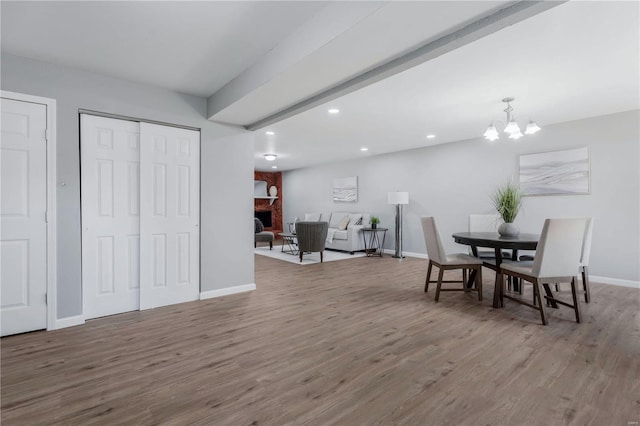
x=227 y=291
x=406 y=254
x=68 y=322
x=614 y=281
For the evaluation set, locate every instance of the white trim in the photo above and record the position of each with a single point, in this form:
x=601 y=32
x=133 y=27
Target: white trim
x=52 y=264
x=68 y=322
x=407 y=254
x=227 y=291
x=614 y=281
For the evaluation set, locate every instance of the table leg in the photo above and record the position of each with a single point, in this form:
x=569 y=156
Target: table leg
x=497 y=289
x=472 y=278
x=515 y=280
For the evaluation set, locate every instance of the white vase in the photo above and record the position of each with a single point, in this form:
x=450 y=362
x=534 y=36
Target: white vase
x=508 y=230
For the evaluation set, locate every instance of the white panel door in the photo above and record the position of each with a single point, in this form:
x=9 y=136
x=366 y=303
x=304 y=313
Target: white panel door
x=170 y=211
x=110 y=176
x=23 y=228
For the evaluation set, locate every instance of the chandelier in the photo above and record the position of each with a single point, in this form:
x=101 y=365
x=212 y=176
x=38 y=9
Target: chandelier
x=511 y=127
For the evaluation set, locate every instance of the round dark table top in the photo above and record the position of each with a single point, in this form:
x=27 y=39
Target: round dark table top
x=495 y=240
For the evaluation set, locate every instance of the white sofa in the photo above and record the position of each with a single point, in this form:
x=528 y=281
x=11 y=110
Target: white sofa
x=349 y=239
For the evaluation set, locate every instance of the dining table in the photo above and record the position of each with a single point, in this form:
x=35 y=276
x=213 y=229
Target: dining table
x=498 y=243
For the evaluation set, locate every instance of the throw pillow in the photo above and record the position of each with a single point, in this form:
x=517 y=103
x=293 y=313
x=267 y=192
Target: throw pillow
x=337 y=218
x=343 y=223
x=312 y=217
x=259 y=227
x=354 y=218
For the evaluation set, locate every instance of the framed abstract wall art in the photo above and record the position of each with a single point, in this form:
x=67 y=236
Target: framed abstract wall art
x=556 y=173
x=345 y=190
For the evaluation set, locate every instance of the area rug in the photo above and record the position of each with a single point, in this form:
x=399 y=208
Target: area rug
x=308 y=258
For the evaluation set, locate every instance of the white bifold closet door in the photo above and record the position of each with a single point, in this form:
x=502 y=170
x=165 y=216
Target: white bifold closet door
x=169 y=206
x=140 y=215
x=110 y=191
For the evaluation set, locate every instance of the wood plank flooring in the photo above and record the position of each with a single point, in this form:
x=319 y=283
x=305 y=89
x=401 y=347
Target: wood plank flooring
x=353 y=342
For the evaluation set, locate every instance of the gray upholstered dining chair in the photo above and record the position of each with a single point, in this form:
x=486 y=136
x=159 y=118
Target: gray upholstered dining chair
x=439 y=258
x=312 y=237
x=557 y=260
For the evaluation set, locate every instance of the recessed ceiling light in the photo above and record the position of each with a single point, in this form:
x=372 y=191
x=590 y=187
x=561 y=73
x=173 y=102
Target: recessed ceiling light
x=270 y=157
x=364 y=148
x=333 y=110
x=270 y=133
x=431 y=136
x=274 y=167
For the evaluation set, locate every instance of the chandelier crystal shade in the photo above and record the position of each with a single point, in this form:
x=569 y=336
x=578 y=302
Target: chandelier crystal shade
x=511 y=127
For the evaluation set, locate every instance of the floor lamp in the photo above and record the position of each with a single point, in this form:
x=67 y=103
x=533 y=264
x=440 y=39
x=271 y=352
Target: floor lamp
x=398 y=198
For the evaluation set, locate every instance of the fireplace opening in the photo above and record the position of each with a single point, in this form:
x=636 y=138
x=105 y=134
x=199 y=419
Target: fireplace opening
x=265 y=217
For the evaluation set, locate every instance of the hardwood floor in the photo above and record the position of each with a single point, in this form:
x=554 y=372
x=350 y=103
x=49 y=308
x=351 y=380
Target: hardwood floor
x=353 y=342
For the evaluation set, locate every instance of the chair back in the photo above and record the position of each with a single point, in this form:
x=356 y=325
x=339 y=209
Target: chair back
x=484 y=222
x=435 y=250
x=559 y=249
x=586 y=243
x=311 y=235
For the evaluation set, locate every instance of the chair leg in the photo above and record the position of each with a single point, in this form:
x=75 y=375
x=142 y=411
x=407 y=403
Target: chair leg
x=543 y=315
x=270 y=245
x=574 y=293
x=501 y=289
x=301 y=253
x=321 y=259
x=440 y=274
x=255 y=244
x=426 y=282
x=585 y=284
x=464 y=279
x=478 y=281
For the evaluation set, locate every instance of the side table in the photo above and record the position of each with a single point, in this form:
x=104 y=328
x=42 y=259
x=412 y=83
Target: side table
x=290 y=240
x=373 y=244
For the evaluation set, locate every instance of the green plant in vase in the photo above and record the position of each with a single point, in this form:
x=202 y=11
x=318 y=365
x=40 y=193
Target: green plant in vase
x=508 y=201
x=374 y=222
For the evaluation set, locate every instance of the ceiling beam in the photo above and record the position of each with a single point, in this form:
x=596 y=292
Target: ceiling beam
x=508 y=15
x=330 y=22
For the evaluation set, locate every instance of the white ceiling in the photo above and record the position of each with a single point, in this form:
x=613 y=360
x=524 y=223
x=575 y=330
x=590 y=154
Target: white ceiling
x=577 y=60
x=192 y=47
x=252 y=59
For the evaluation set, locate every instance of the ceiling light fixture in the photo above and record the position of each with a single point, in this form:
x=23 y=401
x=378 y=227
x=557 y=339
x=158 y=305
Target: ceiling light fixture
x=333 y=110
x=431 y=136
x=364 y=148
x=270 y=157
x=274 y=167
x=270 y=133
x=511 y=127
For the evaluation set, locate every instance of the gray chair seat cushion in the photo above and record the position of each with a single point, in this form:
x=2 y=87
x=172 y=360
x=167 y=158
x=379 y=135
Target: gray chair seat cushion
x=264 y=237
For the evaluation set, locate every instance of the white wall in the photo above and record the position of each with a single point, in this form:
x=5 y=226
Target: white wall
x=226 y=168
x=451 y=181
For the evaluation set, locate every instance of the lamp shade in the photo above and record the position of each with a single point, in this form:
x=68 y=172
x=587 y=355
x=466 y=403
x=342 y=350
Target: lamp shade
x=398 y=198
